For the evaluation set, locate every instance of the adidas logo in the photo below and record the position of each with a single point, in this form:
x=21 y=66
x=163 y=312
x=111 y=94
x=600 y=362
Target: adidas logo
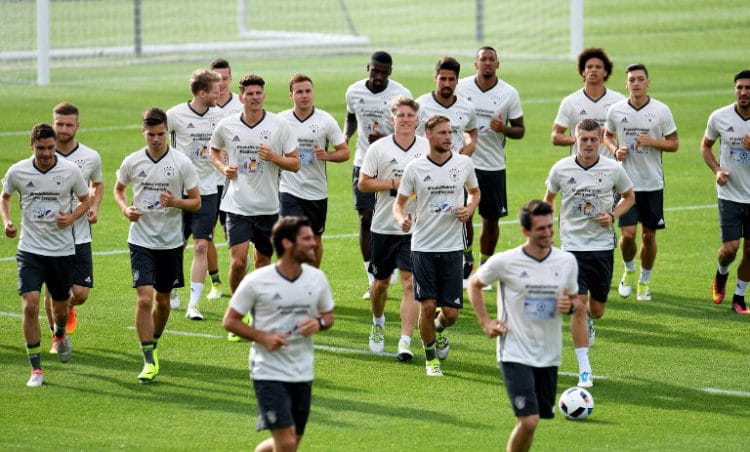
x=30 y=185
x=427 y=179
x=88 y=279
x=730 y=129
x=523 y=274
x=142 y=174
x=583 y=113
x=661 y=222
x=276 y=296
x=190 y=126
x=624 y=119
x=572 y=180
x=361 y=101
x=236 y=138
x=504 y=210
x=394 y=161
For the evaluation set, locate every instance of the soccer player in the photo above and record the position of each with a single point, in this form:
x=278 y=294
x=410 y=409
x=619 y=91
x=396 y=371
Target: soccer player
x=538 y=285
x=438 y=179
x=291 y=301
x=638 y=130
x=391 y=247
x=227 y=101
x=592 y=101
x=258 y=145
x=367 y=114
x=191 y=125
x=306 y=191
x=499 y=116
x=159 y=176
x=46 y=185
x=587 y=183
x=731 y=125
x=65 y=122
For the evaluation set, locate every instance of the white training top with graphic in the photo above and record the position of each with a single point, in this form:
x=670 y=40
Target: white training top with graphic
x=160 y=227
x=190 y=134
x=727 y=125
x=373 y=112
x=90 y=163
x=255 y=191
x=319 y=129
x=232 y=106
x=440 y=192
x=489 y=154
x=579 y=106
x=461 y=113
x=527 y=302
x=277 y=306
x=585 y=193
x=386 y=160
x=43 y=195
x=643 y=163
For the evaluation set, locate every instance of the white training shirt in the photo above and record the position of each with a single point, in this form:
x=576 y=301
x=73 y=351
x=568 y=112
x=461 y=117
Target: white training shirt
x=277 y=306
x=232 y=106
x=527 y=302
x=440 y=192
x=43 y=195
x=373 y=112
x=255 y=191
x=726 y=125
x=643 y=163
x=319 y=129
x=90 y=163
x=460 y=112
x=160 y=227
x=585 y=193
x=489 y=154
x=579 y=106
x=386 y=160
x=190 y=134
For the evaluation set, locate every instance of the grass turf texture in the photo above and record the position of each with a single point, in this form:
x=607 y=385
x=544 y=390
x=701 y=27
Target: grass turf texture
x=658 y=356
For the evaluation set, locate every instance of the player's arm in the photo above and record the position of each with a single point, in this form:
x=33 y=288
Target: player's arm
x=491 y=327
x=289 y=161
x=234 y=324
x=10 y=229
x=132 y=213
x=516 y=130
x=610 y=140
x=549 y=198
x=568 y=303
x=65 y=220
x=399 y=212
x=96 y=194
x=311 y=325
x=191 y=202
x=669 y=143
x=472 y=200
x=707 y=152
x=339 y=154
x=370 y=184
x=560 y=136
x=470 y=143
x=627 y=199
x=350 y=125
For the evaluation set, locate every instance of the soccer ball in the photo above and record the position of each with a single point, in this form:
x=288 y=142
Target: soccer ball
x=576 y=403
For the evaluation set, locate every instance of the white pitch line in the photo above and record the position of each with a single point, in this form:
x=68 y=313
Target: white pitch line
x=726 y=392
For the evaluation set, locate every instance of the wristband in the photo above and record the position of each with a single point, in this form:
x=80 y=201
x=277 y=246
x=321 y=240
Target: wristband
x=321 y=323
x=572 y=308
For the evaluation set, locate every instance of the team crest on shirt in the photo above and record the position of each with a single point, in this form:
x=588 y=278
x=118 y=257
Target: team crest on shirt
x=314 y=129
x=454 y=174
x=265 y=135
x=556 y=271
x=58 y=180
x=650 y=117
x=80 y=162
x=168 y=171
x=495 y=99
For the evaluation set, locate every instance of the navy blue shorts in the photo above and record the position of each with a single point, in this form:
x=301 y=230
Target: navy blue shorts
x=315 y=210
x=56 y=272
x=595 y=273
x=201 y=224
x=83 y=273
x=531 y=390
x=282 y=404
x=255 y=228
x=647 y=210
x=161 y=269
x=439 y=276
x=734 y=220
x=389 y=252
x=493 y=204
x=362 y=200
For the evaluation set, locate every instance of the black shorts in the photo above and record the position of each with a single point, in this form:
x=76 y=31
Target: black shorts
x=282 y=404
x=201 y=224
x=83 y=273
x=220 y=213
x=361 y=200
x=389 y=252
x=161 y=269
x=493 y=204
x=531 y=390
x=56 y=272
x=439 y=276
x=595 y=273
x=315 y=210
x=255 y=228
x=734 y=220
x=647 y=210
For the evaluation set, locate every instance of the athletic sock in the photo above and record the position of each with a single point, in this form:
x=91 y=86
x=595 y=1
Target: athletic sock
x=723 y=270
x=583 y=360
x=429 y=351
x=215 y=278
x=379 y=321
x=439 y=327
x=147 y=348
x=196 y=289
x=34 y=351
x=741 y=287
x=59 y=331
x=370 y=276
x=405 y=338
x=630 y=266
x=645 y=276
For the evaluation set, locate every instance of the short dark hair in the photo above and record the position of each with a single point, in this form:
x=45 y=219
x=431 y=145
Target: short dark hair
x=42 y=131
x=533 y=208
x=588 y=124
x=220 y=63
x=154 y=116
x=298 y=78
x=482 y=49
x=65 y=109
x=742 y=74
x=251 y=80
x=382 y=57
x=595 y=52
x=202 y=79
x=287 y=228
x=433 y=121
x=448 y=64
x=637 y=67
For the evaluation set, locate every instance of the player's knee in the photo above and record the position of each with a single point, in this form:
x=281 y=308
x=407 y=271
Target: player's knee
x=449 y=316
x=80 y=295
x=528 y=424
x=200 y=246
x=31 y=310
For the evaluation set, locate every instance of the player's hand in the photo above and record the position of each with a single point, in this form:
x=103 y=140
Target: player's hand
x=564 y=301
x=406 y=224
x=621 y=153
x=746 y=141
x=166 y=198
x=265 y=153
x=722 y=177
x=604 y=219
x=308 y=327
x=463 y=214
x=497 y=124
x=320 y=153
x=273 y=341
x=494 y=328
x=93 y=216
x=644 y=140
x=230 y=172
x=132 y=213
x=10 y=230
x=373 y=137
x=64 y=220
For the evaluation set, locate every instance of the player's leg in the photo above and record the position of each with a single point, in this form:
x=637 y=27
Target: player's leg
x=628 y=249
x=364 y=203
x=449 y=299
x=277 y=398
x=409 y=309
x=262 y=226
x=382 y=263
x=743 y=278
x=59 y=282
x=493 y=205
x=239 y=234
x=651 y=217
x=732 y=219
x=520 y=384
x=143 y=267
x=50 y=319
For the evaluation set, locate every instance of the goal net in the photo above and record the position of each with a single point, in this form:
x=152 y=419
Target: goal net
x=38 y=38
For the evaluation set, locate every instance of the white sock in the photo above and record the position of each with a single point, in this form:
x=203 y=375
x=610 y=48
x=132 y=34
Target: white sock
x=583 y=360
x=406 y=339
x=196 y=289
x=630 y=266
x=379 y=321
x=370 y=276
x=723 y=270
x=741 y=287
x=645 y=275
